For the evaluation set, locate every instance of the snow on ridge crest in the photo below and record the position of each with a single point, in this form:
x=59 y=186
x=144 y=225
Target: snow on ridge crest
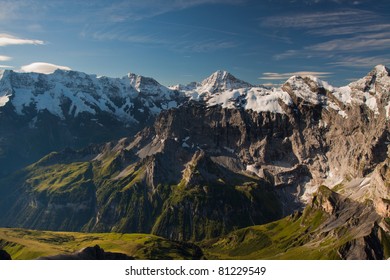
x=4 y=99
x=382 y=70
x=222 y=88
x=221 y=80
x=86 y=93
x=89 y=93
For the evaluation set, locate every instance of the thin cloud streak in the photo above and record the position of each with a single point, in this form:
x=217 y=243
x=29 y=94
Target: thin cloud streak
x=115 y=36
x=204 y=46
x=320 y=20
x=130 y=36
x=354 y=31
x=141 y=9
x=197 y=27
x=283 y=76
x=271 y=85
x=6 y=40
x=5 y=58
x=360 y=62
x=350 y=30
x=10 y=9
x=351 y=45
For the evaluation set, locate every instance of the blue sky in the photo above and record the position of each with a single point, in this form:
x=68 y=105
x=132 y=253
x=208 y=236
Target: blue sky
x=178 y=41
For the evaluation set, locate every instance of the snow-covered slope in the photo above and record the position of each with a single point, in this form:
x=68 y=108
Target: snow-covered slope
x=222 y=88
x=133 y=98
x=373 y=90
x=69 y=93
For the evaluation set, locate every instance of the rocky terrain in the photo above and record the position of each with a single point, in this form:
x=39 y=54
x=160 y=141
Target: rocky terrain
x=219 y=156
x=43 y=113
x=330 y=227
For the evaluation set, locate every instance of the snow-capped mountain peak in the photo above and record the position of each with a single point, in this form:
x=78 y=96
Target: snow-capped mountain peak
x=382 y=70
x=134 y=98
x=68 y=93
x=221 y=81
x=378 y=76
x=311 y=81
x=149 y=86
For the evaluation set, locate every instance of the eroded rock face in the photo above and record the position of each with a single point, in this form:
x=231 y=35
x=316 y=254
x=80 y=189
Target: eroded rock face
x=355 y=222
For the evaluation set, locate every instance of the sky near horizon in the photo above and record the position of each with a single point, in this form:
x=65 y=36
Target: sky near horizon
x=177 y=41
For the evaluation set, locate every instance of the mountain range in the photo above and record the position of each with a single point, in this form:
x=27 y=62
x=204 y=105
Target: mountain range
x=242 y=171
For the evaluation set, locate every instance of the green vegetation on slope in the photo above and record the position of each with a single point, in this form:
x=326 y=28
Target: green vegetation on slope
x=49 y=196
x=68 y=191
x=331 y=227
x=288 y=238
x=59 y=177
x=25 y=244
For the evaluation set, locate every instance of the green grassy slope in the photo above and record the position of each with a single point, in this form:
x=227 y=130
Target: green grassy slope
x=331 y=227
x=288 y=238
x=25 y=244
x=66 y=192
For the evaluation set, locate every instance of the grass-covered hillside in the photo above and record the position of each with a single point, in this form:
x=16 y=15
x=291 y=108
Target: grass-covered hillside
x=332 y=227
x=24 y=244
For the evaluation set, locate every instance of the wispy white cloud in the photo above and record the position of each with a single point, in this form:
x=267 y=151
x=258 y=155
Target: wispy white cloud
x=119 y=21
x=286 y=54
x=9 y=9
x=203 y=46
x=5 y=58
x=315 y=2
x=334 y=47
x=182 y=43
x=354 y=44
x=6 y=40
x=195 y=27
x=320 y=19
x=6 y=66
x=350 y=31
x=22 y=9
x=271 y=84
x=42 y=67
x=140 y=9
x=125 y=37
x=283 y=76
x=359 y=62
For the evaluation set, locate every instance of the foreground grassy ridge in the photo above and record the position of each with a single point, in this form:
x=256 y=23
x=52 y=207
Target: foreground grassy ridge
x=25 y=244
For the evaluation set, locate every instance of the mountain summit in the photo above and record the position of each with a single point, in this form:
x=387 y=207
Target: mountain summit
x=221 y=81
